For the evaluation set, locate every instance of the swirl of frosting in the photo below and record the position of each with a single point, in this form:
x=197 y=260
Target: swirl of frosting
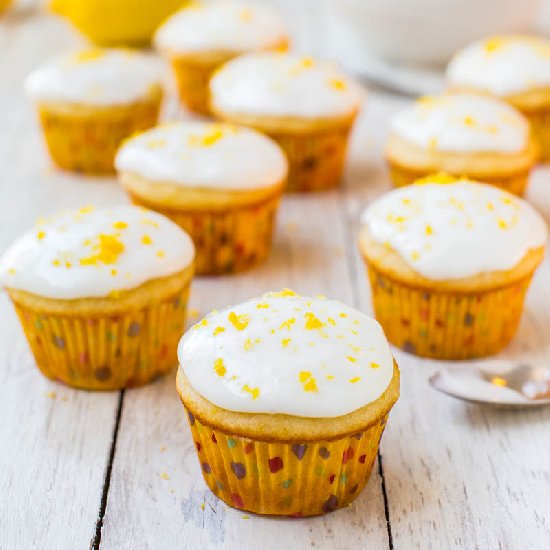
x=502 y=65
x=282 y=353
x=279 y=85
x=462 y=122
x=233 y=26
x=94 y=253
x=204 y=155
x=455 y=230
x=97 y=77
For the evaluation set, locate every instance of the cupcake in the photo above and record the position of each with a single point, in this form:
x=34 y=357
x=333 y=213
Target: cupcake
x=101 y=294
x=220 y=183
x=307 y=106
x=89 y=100
x=463 y=134
x=514 y=68
x=449 y=266
x=287 y=398
x=200 y=37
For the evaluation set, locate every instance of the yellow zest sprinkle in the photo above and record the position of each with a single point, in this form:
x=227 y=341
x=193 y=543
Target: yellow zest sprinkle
x=202 y=506
x=86 y=209
x=287 y=324
x=490 y=206
x=355 y=380
x=469 y=121
x=106 y=250
x=240 y=322
x=502 y=224
x=507 y=200
x=309 y=383
x=113 y=272
x=11 y=271
x=498 y=381
x=330 y=377
x=40 y=235
x=312 y=322
x=307 y=62
x=68 y=265
x=202 y=323
x=354 y=332
x=374 y=365
x=343 y=315
x=338 y=84
x=246 y=517
x=217 y=330
x=146 y=239
x=262 y=306
x=254 y=392
x=351 y=359
x=213 y=135
x=120 y=225
x=56 y=263
x=415 y=255
x=164 y=475
x=155 y=143
x=284 y=293
x=248 y=344
x=161 y=253
x=429 y=230
x=493 y=44
x=285 y=342
x=331 y=321
x=91 y=54
x=147 y=221
x=219 y=367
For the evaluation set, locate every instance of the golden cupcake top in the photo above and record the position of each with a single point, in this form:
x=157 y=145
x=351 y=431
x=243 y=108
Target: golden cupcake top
x=95 y=76
x=462 y=123
x=95 y=253
x=204 y=155
x=446 y=228
x=288 y=354
x=284 y=85
x=502 y=65
x=223 y=25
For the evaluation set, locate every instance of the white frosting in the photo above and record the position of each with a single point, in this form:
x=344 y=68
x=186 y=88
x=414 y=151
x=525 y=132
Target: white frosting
x=276 y=84
x=284 y=354
x=234 y=26
x=95 y=77
x=204 y=155
x=93 y=253
x=455 y=230
x=502 y=65
x=462 y=122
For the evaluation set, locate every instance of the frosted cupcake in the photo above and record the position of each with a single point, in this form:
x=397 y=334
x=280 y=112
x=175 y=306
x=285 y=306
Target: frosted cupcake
x=514 y=68
x=101 y=295
x=200 y=37
x=89 y=100
x=220 y=183
x=287 y=398
x=462 y=134
x=307 y=106
x=449 y=265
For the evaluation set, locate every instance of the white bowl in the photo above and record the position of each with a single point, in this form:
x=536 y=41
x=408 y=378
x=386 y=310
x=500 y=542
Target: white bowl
x=430 y=31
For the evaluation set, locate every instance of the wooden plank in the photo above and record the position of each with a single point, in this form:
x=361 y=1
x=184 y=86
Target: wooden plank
x=55 y=441
x=460 y=475
x=158 y=498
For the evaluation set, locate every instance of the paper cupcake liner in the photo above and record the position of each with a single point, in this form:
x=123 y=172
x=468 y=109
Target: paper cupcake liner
x=515 y=183
x=106 y=352
x=193 y=80
x=88 y=143
x=444 y=324
x=316 y=160
x=4 y=4
x=226 y=241
x=540 y=122
x=286 y=479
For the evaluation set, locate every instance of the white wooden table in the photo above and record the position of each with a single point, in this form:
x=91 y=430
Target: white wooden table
x=118 y=470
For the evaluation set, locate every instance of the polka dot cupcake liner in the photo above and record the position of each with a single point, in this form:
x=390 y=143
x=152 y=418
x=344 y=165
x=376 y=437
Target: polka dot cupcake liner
x=514 y=183
x=316 y=160
x=540 y=122
x=226 y=241
x=286 y=479
x=87 y=142
x=192 y=79
x=106 y=352
x=445 y=324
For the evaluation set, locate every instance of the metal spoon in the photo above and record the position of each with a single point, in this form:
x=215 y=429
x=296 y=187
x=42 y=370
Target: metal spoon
x=496 y=382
